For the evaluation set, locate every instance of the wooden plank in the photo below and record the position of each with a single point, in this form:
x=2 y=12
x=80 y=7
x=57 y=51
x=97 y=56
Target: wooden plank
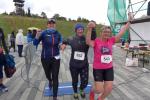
x=17 y=73
x=25 y=94
x=137 y=90
x=17 y=87
x=39 y=94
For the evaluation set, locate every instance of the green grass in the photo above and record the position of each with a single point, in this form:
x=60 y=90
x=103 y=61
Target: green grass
x=13 y=23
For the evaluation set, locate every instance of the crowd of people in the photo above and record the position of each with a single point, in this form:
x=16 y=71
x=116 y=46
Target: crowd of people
x=15 y=40
x=52 y=43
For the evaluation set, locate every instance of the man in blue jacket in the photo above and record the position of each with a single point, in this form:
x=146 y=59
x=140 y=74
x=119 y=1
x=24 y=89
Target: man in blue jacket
x=50 y=57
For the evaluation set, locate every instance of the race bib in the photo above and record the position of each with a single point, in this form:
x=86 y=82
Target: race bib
x=79 y=55
x=57 y=57
x=106 y=59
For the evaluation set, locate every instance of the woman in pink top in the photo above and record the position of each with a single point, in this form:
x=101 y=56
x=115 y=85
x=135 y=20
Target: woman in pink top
x=102 y=66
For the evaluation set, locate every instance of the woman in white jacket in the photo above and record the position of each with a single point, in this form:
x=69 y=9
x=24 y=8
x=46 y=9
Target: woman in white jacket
x=20 y=41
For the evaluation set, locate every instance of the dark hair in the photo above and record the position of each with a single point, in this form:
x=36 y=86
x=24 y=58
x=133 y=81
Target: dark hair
x=13 y=32
x=1 y=30
x=29 y=31
x=51 y=20
x=34 y=33
x=2 y=33
x=3 y=40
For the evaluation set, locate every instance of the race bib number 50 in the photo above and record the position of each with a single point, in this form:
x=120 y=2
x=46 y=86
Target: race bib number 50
x=106 y=59
x=79 y=55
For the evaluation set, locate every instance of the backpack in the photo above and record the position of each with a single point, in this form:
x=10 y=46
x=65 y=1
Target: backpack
x=9 y=68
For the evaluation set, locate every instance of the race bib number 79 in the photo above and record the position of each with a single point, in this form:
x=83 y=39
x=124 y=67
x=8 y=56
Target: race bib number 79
x=79 y=55
x=106 y=59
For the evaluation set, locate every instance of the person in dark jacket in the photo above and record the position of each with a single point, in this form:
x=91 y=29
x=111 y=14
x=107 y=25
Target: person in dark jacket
x=34 y=33
x=3 y=88
x=79 y=60
x=12 y=40
x=50 y=57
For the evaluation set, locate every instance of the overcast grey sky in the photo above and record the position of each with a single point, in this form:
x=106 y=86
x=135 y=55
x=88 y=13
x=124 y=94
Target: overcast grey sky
x=90 y=9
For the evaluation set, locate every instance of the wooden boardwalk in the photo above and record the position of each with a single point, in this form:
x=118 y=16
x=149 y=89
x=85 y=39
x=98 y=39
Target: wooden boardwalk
x=131 y=83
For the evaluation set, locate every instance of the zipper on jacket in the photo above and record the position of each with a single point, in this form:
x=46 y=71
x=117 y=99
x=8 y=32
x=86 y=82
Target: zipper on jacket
x=52 y=44
x=44 y=53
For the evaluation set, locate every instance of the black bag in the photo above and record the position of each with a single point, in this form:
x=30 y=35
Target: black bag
x=93 y=35
x=9 y=68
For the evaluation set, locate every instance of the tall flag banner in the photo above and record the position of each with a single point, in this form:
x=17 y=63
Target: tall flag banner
x=116 y=13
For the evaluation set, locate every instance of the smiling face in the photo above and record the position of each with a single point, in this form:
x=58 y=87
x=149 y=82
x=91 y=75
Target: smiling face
x=106 y=32
x=51 y=25
x=79 y=31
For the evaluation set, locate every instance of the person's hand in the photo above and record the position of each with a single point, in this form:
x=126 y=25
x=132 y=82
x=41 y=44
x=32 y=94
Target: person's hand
x=38 y=34
x=62 y=47
x=91 y=25
x=130 y=16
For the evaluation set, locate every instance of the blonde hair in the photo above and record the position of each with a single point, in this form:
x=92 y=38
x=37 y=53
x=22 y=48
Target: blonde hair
x=20 y=31
x=106 y=27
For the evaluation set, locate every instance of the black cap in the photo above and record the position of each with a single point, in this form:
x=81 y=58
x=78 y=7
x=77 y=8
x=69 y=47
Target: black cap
x=51 y=20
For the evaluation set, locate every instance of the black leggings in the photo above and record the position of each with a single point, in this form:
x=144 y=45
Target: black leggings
x=51 y=68
x=20 y=48
x=13 y=45
x=84 y=74
x=2 y=63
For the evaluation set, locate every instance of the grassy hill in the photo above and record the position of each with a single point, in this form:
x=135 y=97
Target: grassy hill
x=10 y=23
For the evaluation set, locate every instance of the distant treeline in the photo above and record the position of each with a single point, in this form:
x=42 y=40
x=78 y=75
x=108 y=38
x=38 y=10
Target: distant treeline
x=44 y=15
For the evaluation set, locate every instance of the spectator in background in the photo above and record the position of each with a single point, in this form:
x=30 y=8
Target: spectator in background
x=29 y=36
x=20 y=41
x=3 y=88
x=34 y=33
x=12 y=40
x=122 y=41
x=33 y=36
